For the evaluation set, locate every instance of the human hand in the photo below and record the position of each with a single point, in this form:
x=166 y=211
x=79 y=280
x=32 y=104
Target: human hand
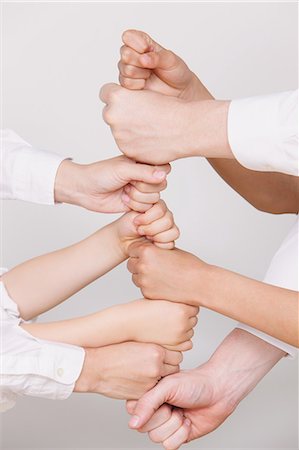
x=161 y=322
x=157 y=134
x=174 y=276
x=126 y=371
x=103 y=186
x=144 y=64
x=156 y=224
x=203 y=398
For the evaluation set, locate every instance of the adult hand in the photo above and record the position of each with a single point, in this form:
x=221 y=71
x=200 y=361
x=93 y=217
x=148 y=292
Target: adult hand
x=102 y=186
x=126 y=371
x=145 y=64
x=204 y=397
x=172 y=275
x=156 y=128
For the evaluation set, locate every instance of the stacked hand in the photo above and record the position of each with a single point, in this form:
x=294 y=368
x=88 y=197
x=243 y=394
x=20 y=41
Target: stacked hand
x=110 y=186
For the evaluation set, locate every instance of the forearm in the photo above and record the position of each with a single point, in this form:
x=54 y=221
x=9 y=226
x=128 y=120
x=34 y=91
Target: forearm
x=271 y=192
x=95 y=330
x=43 y=282
x=271 y=309
x=240 y=362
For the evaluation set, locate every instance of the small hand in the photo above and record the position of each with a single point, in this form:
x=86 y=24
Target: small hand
x=156 y=224
x=103 y=186
x=161 y=322
x=164 y=274
x=126 y=371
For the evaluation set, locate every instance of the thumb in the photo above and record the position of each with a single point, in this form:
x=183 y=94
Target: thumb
x=147 y=173
x=149 y=404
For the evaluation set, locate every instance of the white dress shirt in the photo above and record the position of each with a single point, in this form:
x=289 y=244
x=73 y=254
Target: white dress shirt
x=263 y=132
x=263 y=135
x=30 y=366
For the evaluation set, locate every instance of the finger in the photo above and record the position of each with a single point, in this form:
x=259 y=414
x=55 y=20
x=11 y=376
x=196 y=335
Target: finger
x=150 y=402
x=145 y=173
x=149 y=187
x=155 y=213
x=130 y=56
x=132 y=265
x=136 y=280
x=167 y=429
x=107 y=91
x=130 y=83
x=179 y=437
x=130 y=71
x=159 y=418
x=189 y=335
x=141 y=197
x=167 y=236
x=136 y=248
x=183 y=347
x=174 y=358
x=139 y=41
x=158 y=226
x=131 y=405
x=168 y=369
x=168 y=246
x=153 y=55
x=193 y=310
x=135 y=206
x=193 y=321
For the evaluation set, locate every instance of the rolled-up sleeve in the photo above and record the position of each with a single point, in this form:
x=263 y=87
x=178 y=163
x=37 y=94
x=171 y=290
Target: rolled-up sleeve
x=26 y=173
x=263 y=132
x=31 y=366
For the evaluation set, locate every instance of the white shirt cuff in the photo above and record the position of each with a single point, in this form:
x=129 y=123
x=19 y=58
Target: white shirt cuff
x=27 y=173
x=289 y=349
x=263 y=132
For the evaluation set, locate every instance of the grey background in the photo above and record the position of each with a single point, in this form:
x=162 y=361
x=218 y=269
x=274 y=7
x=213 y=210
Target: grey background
x=55 y=58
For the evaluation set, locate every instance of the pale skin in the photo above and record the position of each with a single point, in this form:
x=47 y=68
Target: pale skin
x=145 y=64
x=125 y=370
x=200 y=284
x=191 y=404
x=56 y=276
x=103 y=186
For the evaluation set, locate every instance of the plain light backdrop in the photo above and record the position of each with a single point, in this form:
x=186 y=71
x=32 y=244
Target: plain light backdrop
x=55 y=58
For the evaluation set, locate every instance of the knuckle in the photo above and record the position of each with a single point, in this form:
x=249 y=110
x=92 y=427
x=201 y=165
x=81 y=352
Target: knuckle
x=108 y=115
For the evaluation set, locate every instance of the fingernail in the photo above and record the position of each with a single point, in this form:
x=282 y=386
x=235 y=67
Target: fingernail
x=159 y=174
x=125 y=198
x=140 y=230
x=134 y=422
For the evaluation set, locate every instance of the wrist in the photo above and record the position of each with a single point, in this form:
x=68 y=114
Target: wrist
x=67 y=183
x=87 y=382
x=207 y=129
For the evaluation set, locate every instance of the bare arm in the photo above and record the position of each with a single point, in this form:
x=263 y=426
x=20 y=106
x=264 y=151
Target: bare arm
x=268 y=308
x=271 y=192
x=43 y=282
x=165 y=323
x=166 y=73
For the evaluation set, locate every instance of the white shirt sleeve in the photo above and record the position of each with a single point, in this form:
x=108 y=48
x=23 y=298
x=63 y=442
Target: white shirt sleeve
x=26 y=173
x=263 y=132
x=31 y=366
x=282 y=272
